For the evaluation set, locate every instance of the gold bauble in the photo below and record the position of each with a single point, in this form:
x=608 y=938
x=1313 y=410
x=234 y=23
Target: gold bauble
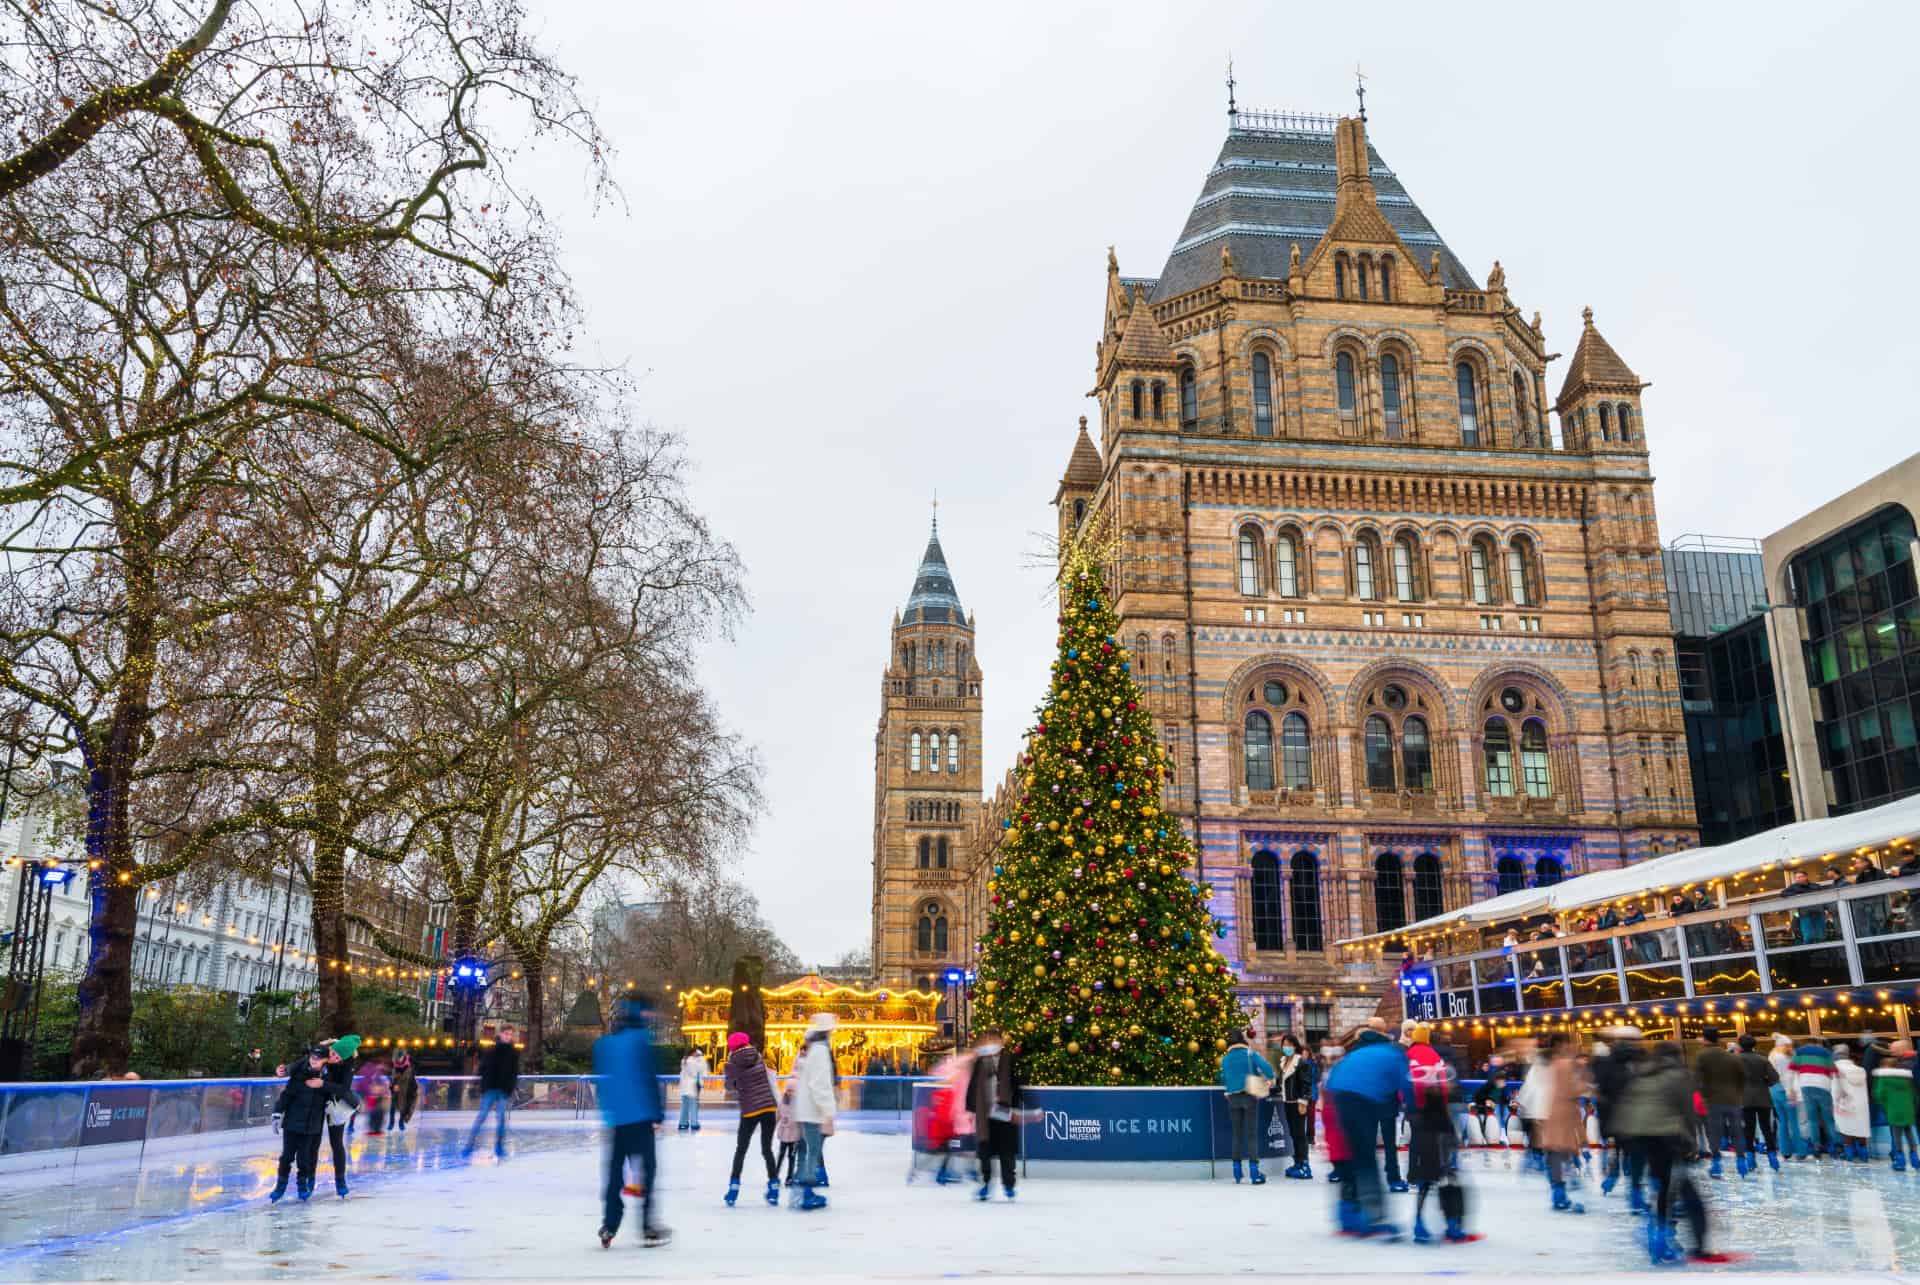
x=1134 y=1031
x=1166 y=869
x=1193 y=1046
x=1073 y=1046
x=1056 y=1039
x=991 y=984
x=1113 y=1072
x=1014 y=935
x=1039 y=970
x=1076 y=745
x=1220 y=1046
x=1086 y=992
x=1094 y=1029
x=1188 y=1005
x=1053 y=825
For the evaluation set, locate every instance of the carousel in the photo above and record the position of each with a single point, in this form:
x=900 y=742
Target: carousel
x=894 y=1027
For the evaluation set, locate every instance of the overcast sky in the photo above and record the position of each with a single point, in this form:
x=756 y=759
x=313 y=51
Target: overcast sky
x=862 y=251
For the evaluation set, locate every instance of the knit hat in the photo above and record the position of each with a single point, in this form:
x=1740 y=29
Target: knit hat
x=1779 y=1038
x=737 y=1041
x=320 y=1051
x=346 y=1046
x=1420 y=1033
x=822 y=1023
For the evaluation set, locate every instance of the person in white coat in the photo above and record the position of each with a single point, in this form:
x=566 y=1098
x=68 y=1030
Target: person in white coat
x=693 y=1075
x=1786 y=1096
x=1852 y=1107
x=813 y=1105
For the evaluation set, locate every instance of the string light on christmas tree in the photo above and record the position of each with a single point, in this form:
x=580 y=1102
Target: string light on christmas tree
x=1098 y=961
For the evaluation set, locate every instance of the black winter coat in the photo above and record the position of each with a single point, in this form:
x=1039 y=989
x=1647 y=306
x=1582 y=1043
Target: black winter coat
x=1610 y=1077
x=303 y=1109
x=499 y=1068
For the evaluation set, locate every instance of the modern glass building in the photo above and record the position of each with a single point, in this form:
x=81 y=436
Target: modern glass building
x=1716 y=592
x=1862 y=624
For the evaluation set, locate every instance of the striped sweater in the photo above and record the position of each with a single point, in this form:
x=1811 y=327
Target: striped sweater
x=1813 y=1067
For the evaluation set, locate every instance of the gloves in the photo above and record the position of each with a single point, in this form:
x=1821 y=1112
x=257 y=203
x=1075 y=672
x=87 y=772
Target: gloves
x=276 y=1122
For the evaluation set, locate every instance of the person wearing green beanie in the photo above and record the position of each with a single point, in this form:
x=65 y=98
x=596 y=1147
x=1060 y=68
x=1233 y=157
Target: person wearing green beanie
x=347 y=1046
x=345 y=1103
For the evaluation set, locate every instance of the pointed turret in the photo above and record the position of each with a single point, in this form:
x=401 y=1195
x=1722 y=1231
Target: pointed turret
x=1599 y=402
x=934 y=599
x=1079 y=482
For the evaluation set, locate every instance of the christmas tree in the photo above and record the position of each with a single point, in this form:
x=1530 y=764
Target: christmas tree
x=1098 y=963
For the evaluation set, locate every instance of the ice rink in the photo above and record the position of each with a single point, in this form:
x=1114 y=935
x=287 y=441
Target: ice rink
x=418 y=1211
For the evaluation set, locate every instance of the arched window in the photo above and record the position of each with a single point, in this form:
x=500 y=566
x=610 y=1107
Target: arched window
x=1339 y=276
x=1303 y=897
x=1390 y=386
x=1498 y=752
x=1519 y=581
x=1343 y=383
x=1159 y=399
x=1139 y=395
x=1366 y=557
x=1429 y=892
x=1469 y=403
x=1189 y=398
x=913 y=752
x=953 y=751
x=1548 y=871
x=1416 y=754
x=1389 y=893
x=1606 y=422
x=926 y=853
x=1269 y=925
x=1296 y=752
x=1079 y=512
x=1404 y=587
x=1522 y=410
x=1386 y=279
x=933 y=752
x=1625 y=414
x=1379 y=753
x=930 y=935
x=1480 y=572
x=940 y=854
x=1249 y=561
x=1361 y=275
x=1509 y=874
x=1258 y=751
x=1166 y=653
x=1286 y=566
x=1262 y=395
x=1534 y=771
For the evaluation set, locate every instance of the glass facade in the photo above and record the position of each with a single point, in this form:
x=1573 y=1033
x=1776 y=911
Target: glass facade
x=1863 y=658
x=1736 y=751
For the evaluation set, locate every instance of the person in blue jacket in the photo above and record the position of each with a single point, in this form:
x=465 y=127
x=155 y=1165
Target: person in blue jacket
x=1367 y=1084
x=1243 y=1108
x=623 y=1067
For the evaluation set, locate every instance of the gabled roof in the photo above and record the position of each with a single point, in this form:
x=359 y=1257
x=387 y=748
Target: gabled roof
x=1141 y=341
x=1272 y=187
x=934 y=600
x=1594 y=362
x=1084 y=469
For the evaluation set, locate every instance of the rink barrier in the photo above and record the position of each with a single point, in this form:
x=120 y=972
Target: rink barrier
x=125 y=1118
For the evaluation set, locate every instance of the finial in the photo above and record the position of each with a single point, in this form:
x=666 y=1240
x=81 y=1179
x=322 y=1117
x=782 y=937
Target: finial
x=1083 y=423
x=1433 y=268
x=1360 y=90
x=1293 y=259
x=936 y=510
x=1586 y=315
x=1232 y=108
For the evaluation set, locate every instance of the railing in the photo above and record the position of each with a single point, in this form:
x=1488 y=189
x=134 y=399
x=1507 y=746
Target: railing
x=1863 y=937
x=135 y=1114
x=1270 y=122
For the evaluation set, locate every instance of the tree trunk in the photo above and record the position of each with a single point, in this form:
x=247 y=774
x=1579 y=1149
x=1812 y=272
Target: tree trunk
x=103 y=1037
x=328 y=885
x=536 y=1033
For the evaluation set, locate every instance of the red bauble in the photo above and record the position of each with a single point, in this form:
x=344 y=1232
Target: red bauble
x=1127 y=873
x=1131 y=705
x=1099 y=943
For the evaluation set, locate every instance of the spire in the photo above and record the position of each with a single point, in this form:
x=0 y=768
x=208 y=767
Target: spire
x=934 y=599
x=1084 y=469
x=1595 y=363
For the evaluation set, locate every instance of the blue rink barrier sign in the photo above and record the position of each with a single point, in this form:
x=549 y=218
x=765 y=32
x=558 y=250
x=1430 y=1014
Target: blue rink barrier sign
x=1121 y=1125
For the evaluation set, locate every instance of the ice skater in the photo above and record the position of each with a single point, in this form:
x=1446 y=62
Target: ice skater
x=1657 y=1114
x=1246 y=1077
x=1852 y=1110
x=814 y=1103
x=1432 y=1159
x=993 y=1091
x=693 y=1075
x=300 y=1118
x=1561 y=1132
x=406 y=1092
x=752 y=1086
x=629 y=1097
x=1366 y=1083
x=342 y=1105
x=499 y=1076
x=1296 y=1087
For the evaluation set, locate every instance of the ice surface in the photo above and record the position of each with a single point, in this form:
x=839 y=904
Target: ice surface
x=418 y=1211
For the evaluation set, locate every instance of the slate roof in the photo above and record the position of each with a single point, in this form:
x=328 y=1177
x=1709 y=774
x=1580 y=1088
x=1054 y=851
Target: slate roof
x=1271 y=189
x=1594 y=362
x=934 y=600
x=1083 y=466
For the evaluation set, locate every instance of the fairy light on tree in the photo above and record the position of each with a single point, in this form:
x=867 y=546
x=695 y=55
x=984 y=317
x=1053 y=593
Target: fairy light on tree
x=1099 y=961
